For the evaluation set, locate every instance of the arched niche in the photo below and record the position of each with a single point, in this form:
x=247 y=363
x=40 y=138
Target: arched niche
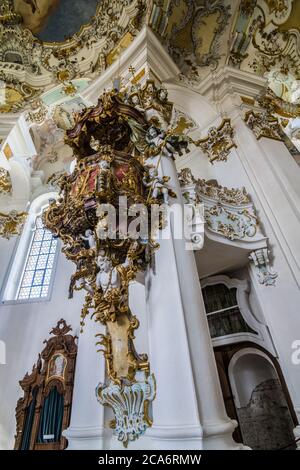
x=263 y=412
x=247 y=369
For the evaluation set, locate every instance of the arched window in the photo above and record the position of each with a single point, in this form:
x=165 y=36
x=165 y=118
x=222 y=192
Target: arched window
x=38 y=269
x=32 y=268
x=234 y=315
x=223 y=312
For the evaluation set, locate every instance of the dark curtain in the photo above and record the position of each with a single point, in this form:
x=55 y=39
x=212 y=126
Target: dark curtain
x=51 y=417
x=29 y=421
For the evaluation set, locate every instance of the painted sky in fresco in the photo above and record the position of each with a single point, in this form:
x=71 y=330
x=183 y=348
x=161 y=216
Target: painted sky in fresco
x=55 y=20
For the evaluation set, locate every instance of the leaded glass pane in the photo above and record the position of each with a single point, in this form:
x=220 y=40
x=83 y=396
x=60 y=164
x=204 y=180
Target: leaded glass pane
x=45 y=247
x=35 y=292
x=42 y=261
x=38 y=270
x=31 y=263
x=53 y=246
x=44 y=291
x=38 y=235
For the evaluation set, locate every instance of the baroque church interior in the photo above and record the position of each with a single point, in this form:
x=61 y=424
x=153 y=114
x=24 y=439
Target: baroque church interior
x=176 y=342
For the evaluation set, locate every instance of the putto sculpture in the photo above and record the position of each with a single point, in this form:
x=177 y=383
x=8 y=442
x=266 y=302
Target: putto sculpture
x=114 y=144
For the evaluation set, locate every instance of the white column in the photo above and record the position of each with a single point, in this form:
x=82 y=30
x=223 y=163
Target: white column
x=86 y=430
x=273 y=177
x=181 y=353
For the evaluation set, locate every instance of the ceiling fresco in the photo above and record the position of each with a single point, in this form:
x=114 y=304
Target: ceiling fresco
x=266 y=41
x=48 y=42
x=51 y=50
x=45 y=44
x=258 y=36
x=55 y=20
x=193 y=32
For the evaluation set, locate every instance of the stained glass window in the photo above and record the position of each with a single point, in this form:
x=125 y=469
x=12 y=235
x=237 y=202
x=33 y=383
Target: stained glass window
x=39 y=264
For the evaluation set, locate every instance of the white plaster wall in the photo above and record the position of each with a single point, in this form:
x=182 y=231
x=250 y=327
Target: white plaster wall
x=6 y=250
x=267 y=186
x=24 y=327
x=272 y=179
x=19 y=139
x=198 y=163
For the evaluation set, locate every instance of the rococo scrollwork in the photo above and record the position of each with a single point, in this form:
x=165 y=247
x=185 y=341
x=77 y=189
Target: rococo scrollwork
x=264 y=125
x=12 y=223
x=5 y=182
x=261 y=262
x=219 y=142
x=44 y=64
x=227 y=212
x=116 y=145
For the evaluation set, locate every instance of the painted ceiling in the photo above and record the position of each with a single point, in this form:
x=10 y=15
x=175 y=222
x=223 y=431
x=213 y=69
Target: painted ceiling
x=55 y=20
x=258 y=36
x=46 y=44
x=51 y=50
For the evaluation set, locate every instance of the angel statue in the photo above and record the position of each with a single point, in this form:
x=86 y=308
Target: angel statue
x=114 y=277
x=104 y=176
x=158 y=141
x=89 y=237
x=157 y=184
x=165 y=143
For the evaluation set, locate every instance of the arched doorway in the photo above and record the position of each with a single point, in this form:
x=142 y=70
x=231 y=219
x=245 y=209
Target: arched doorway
x=263 y=413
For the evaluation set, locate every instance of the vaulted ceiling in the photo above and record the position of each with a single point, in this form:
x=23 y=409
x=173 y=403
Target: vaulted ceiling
x=47 y=43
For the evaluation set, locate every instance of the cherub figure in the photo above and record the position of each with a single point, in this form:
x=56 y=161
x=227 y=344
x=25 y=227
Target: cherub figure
x=135 y=101
x=162 y=94
x=156 y=138
x=157 y=184
x=108 y=276
x=94 y=144
x=148 y=95
x=104 y=176
x=89 y=237
x=293 y=128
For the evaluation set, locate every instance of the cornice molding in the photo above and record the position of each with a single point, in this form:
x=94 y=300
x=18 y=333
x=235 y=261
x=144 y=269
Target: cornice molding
x=229 y=80
x=144 y=52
